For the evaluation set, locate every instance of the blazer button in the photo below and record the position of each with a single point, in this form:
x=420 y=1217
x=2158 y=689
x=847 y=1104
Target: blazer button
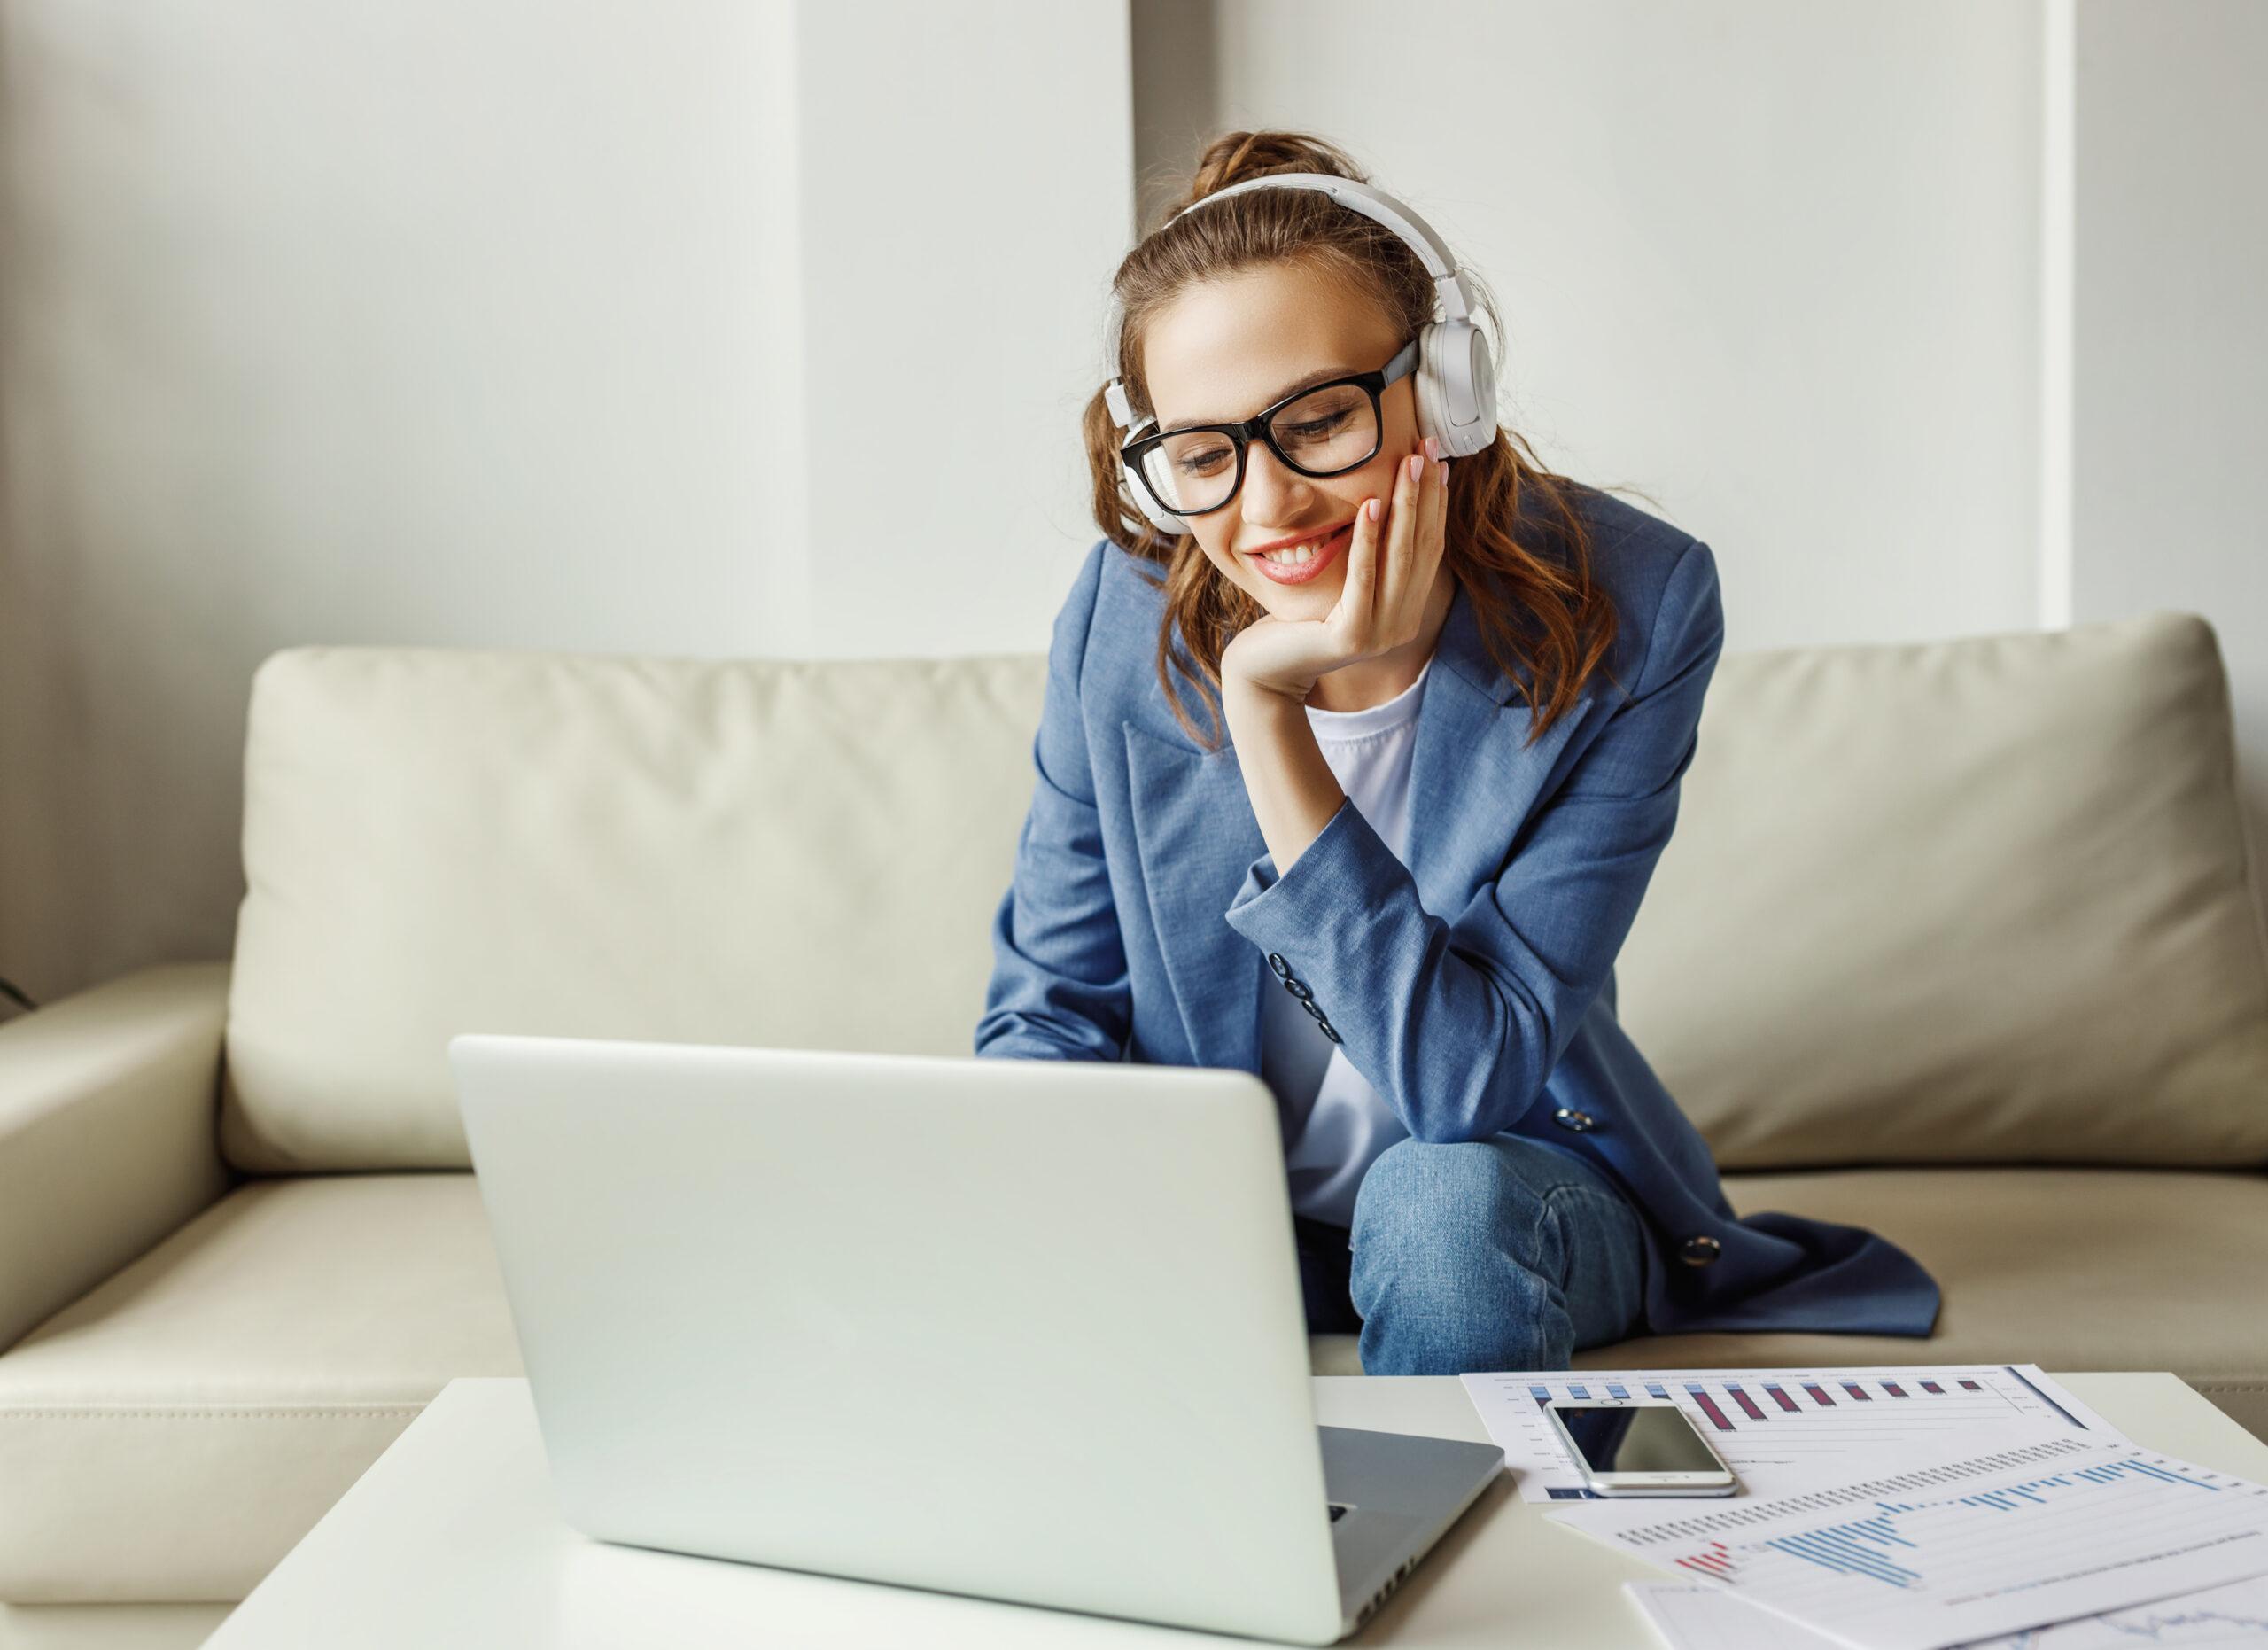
x=1283 y=969
x=1308 y=1004
x=1299 y=988
x=1328 y=1031
x=1700 y=1251
x=1582 y=1122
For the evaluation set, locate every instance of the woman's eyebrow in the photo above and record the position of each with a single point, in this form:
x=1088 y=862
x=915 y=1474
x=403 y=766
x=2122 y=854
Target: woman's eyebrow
x=1321 y=375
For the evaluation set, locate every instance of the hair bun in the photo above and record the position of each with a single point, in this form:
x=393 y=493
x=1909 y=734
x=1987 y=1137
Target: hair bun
x=1233 y=157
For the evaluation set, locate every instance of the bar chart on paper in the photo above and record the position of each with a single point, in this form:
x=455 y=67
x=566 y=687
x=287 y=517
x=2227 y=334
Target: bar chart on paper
x=1964 y=1549
x=1780 y=1429
x=2234 y=1617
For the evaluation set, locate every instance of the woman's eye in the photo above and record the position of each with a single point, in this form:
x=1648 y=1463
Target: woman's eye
x=1198 y=462
x=1315 y=429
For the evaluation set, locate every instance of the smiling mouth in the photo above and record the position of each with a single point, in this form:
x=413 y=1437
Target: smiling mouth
x=1316 y=561
x=1312 y=547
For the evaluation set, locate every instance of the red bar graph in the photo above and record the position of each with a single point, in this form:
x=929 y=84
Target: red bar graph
x=1717 y=1559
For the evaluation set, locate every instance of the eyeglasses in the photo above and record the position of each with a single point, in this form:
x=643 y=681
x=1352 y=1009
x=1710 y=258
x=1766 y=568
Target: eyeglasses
x=1326 y=429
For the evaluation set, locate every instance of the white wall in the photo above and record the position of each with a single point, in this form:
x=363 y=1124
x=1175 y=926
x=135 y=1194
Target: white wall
x=2170 y=431
x=694 y=330
x=701 y=329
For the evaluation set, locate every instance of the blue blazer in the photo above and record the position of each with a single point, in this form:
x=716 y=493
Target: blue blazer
x=1473 y=988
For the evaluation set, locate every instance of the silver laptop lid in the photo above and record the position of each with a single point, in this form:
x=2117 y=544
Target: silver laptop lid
x=1023 y=1329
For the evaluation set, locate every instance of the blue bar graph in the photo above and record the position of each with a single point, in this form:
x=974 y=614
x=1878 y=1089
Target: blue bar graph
x=1983 y=1549
x=1855 y=1549
x=1860 y=1547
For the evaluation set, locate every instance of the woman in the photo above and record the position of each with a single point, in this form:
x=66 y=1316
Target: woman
x=1456 y=711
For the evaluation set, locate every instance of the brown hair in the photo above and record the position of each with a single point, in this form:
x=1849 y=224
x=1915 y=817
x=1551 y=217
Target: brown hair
x=1536 y=604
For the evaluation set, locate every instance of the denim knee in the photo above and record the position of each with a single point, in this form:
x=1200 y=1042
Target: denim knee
x=1496 y=1254
x=1422 y=1191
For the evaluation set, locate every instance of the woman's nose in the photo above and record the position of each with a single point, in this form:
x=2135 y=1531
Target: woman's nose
x=1272 y=490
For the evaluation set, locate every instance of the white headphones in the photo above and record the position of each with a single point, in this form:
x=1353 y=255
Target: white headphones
x=1457 y=369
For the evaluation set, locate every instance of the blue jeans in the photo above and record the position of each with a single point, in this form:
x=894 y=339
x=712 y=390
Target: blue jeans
x=1494 y=1254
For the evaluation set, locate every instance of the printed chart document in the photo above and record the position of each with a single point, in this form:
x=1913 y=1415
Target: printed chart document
x=1785 y=1431
x=2234 y=1617
x=1964 y=1548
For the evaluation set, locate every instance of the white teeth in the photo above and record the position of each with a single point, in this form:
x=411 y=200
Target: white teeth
x=1298 y=553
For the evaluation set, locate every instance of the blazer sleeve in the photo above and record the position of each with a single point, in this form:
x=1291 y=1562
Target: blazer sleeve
x=1457 y=1026
x=1059 y=988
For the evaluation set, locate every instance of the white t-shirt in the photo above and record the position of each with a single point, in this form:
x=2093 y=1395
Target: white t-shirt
x=1334 y=1123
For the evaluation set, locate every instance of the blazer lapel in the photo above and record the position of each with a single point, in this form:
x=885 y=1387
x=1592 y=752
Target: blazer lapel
x=1471 y=785
x=1197 y=833
x=1474 y=778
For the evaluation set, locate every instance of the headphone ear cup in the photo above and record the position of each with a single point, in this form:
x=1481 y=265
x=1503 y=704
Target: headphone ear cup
x=1172 y=527
x=1456 y=387
x=1165 y=521
x=1426 y=385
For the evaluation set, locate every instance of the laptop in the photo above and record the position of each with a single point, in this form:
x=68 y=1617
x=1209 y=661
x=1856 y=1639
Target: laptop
x=1019 y=1329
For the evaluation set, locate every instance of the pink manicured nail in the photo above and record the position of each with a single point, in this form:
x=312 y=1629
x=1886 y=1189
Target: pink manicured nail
x=1370 y=509
x=1433 y=446
x=1415 y=466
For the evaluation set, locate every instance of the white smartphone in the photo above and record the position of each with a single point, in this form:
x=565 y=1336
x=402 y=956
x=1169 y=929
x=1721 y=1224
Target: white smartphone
x=1640 y=1449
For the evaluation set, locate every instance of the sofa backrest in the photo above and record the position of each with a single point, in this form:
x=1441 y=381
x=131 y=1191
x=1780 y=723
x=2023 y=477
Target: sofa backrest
x=784 y=853
x=1981 y=900
x=1985 y=899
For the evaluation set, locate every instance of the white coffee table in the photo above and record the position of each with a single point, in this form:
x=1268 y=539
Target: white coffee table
x=452 y=1538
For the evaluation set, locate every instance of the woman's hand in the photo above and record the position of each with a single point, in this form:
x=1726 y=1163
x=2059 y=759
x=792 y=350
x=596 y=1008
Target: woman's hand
x=1390 y=568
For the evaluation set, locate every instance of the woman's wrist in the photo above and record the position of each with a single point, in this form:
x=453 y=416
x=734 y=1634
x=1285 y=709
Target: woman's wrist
x=1247 y=700
x=1292 y=791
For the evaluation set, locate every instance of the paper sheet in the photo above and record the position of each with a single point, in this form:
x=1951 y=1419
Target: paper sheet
x=1787 y=1430
x=2234 y=1617
x=1962 y=1548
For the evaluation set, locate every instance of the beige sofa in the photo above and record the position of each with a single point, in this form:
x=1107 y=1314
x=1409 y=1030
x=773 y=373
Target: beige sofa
x=1958 y=941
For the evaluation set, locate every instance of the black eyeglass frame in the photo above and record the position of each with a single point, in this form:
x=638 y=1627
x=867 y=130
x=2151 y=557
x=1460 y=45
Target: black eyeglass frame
x=1241 y=435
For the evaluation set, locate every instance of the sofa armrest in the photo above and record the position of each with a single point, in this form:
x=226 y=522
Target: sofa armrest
x=108 y=1106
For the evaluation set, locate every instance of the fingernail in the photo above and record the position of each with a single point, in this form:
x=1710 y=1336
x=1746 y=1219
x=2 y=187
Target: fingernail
x=1433 y=446
x=1415 y=466
x=1442 y=469
x=1370 y=509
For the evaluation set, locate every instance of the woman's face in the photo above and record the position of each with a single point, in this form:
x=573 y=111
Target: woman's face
x=1223 y=350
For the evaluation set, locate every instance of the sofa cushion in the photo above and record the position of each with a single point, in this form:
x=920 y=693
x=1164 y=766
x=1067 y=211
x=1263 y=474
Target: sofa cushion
x=172 y=1435
x=786 y=854
x=1983 y=899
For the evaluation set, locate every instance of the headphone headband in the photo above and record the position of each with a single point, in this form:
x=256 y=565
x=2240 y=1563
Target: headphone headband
x=1450 y=284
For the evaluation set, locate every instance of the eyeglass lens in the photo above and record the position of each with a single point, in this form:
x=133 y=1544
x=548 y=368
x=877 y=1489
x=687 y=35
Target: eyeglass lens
x=1332 y=429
